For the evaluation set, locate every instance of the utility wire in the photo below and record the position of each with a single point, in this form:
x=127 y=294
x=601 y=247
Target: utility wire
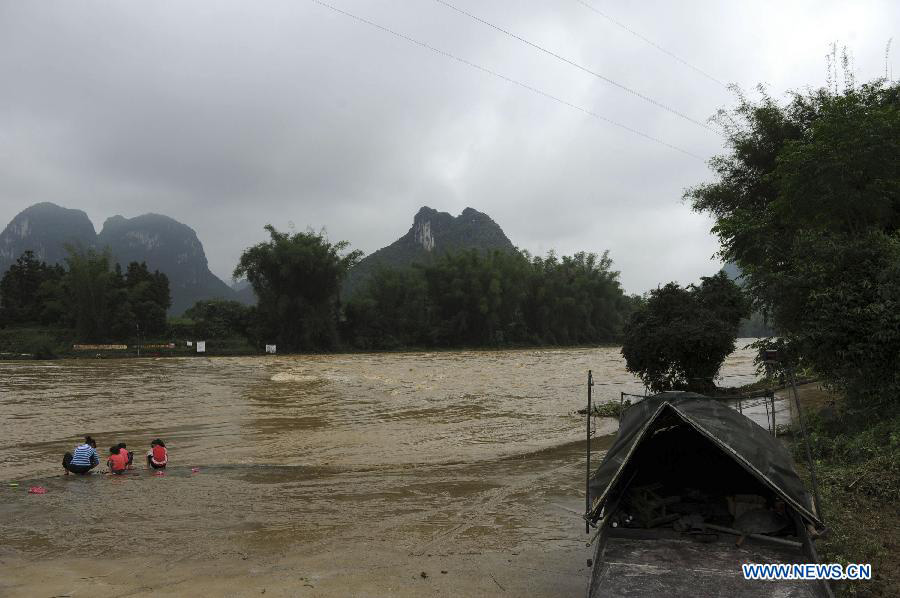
x=478 y=67
x=625 y=88
x=651 y=42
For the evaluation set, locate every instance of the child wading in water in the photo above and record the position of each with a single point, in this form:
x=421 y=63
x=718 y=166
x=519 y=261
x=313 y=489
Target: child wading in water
x=117 y=461
x=157 y=457
x=128 y=454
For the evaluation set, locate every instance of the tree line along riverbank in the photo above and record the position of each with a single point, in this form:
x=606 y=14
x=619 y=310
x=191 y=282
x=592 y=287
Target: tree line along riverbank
x=466 y=299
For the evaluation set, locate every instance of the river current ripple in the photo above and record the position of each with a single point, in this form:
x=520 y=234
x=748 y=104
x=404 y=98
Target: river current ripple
x=351 y=410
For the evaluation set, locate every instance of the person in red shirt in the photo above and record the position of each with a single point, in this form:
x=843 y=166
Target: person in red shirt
x=128 y=454
x=158 y=456
x=117 y=462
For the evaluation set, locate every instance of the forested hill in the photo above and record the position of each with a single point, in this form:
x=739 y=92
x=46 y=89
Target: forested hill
x=163 y=243
x=44 y=229
x=170 y=247
x=432 y=234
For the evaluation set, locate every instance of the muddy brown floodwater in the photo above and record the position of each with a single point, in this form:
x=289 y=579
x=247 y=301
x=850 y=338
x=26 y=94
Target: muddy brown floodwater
x=451 y=473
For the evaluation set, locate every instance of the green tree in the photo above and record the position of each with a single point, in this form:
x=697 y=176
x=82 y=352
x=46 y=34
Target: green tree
x=218 y=319
x=473 y=298
x=389 y=312
x=24 y=290
x=148 y=298
x=297 y=278
x=679 y=338
x=92 y=288
x=807 y=203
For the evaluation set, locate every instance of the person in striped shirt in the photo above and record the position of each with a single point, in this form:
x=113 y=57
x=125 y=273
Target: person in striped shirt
x=84 y=459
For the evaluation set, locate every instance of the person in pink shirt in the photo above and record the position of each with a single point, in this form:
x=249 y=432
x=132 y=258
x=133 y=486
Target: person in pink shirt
x=128 y=454
x=117 y=462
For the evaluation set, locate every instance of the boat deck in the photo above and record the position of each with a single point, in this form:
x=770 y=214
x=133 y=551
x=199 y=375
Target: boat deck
x=672 y=566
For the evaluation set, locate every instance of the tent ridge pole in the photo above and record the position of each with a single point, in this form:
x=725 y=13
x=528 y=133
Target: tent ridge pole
x=587 y=478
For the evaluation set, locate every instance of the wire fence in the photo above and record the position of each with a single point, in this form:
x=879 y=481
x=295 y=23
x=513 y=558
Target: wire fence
x=743 y=402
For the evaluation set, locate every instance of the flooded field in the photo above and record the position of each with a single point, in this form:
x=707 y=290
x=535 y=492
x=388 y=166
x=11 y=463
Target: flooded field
x=318 y=475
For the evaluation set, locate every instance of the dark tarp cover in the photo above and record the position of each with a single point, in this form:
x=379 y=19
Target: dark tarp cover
x=746 y=442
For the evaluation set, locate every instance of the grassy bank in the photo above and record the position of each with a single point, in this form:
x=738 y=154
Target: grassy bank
x=48 y=343
x=34 y=343
x=858 y=469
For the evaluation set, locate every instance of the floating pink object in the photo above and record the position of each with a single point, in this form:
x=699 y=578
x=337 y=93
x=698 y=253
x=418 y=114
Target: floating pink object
x=195 y=469
x=37 y=490
x=160 y=473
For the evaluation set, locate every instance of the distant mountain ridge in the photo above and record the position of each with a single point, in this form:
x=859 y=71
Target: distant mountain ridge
x=45 y=229
x=174 y=248
x=162 y=242
x=170 y=247
x=432 y=233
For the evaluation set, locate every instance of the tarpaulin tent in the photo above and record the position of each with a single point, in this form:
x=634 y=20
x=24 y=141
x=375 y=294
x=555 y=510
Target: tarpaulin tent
x=727 y=436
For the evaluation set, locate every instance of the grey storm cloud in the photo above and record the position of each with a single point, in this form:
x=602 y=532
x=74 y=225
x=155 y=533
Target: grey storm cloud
x=230 y=115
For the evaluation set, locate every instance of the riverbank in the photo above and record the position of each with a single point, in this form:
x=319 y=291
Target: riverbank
x=46 y=344
x=858 y=467
x=362 y=571
x=858 y=470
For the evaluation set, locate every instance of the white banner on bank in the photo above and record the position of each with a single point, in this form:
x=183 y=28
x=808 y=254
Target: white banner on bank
x=270 y=349
x=201 y=346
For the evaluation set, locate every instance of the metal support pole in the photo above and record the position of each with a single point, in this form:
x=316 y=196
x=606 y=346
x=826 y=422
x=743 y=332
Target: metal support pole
x=774 y=421
x=809 y=457
x=587 y=479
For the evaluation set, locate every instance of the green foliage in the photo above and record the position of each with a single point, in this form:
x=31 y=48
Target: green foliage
x=473 y=298
x=858 y=469
x=89 y=295
x=679 y=338
x=612 y=409
x=390 y=311
x=297 y=280
x=807 y=203
x=94 y=292
x=148 y=298
x=476 y=299
x=22 y=289
x=32 y=342
x=218 y=319
x=180 y=328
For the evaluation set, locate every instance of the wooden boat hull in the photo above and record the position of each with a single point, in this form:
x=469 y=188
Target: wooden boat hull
x=633 y=562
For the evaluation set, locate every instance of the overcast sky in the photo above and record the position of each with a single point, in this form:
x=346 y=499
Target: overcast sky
x=230 y=115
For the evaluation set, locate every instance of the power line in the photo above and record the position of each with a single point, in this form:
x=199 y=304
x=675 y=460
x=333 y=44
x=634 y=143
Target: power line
x=488 y=71
x=570 y=62
x=651 y=42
